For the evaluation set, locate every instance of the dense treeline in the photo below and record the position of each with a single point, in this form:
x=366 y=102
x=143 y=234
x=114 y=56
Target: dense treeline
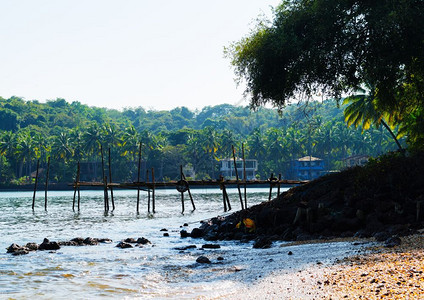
x=72 y=132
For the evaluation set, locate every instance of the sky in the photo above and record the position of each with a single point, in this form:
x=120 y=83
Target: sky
x=157 y=54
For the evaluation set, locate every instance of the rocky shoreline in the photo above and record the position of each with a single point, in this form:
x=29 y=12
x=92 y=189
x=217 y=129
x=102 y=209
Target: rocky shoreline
x=383 y=200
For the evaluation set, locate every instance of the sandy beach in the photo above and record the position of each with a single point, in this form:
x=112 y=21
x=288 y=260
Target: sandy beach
x=380 y=273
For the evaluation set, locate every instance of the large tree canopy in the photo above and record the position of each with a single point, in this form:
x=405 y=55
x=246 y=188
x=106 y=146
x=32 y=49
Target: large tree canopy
x=332 y=47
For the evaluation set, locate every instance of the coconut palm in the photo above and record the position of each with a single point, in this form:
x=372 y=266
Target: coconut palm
x=362 y=110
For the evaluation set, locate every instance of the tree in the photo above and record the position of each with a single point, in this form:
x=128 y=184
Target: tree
x=332 y=47
x=362 y=110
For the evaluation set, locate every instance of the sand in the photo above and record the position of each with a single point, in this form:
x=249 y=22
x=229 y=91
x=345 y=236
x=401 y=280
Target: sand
x=380 y=273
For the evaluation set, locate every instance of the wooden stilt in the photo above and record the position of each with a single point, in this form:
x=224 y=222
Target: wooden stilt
x=110 y=180
x=47 y=184
x=270 y=187
x=75 y=193
x=223 y=198
x=106 y=193
x=35 y=185
x=78 y=185
x=279 y=185
x=138 y=178
x=189 y=192
x=237 y=177
x=244 y=177
x=182 y=202
x=153 y=190
x=228 y=199
x=148 y=191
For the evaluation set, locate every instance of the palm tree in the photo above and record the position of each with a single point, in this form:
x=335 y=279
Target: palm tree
x=362 y=109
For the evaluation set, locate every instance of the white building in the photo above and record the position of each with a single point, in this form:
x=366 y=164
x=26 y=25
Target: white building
x=227 y=168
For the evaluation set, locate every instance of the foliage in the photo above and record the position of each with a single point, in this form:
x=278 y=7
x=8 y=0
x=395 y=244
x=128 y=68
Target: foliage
x=333 y=47
x=199 y=139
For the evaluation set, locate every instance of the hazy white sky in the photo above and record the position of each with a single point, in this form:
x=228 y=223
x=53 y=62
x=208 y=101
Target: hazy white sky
x=158 y=54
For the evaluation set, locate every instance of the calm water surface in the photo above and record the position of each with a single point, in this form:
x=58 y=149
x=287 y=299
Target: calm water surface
x=159 y=271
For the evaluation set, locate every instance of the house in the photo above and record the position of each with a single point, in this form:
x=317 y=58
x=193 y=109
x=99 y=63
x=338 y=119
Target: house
x=307 y=168
x=227 y=168
x=355 y=160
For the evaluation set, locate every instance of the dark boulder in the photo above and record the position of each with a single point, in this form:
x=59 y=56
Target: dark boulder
x=211 y=246
x=91 y=241
x=130 y=240
x=22 y=251
x=203 y=260
x=47 y=245
x=78 y=240
x=392 y=242
x=196 y=233
x=143 y=241
x=13 y=248
x=184 y=233
x=124 y=245
x=381 y=236
x=262 y=243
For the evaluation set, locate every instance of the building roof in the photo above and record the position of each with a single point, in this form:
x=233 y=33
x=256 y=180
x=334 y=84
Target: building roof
x=309 y=158
x=357 y=156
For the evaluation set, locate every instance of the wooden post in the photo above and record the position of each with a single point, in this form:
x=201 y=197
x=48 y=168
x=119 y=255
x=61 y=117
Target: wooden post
x=237 y=177
x=35 y=185
x=110 y=180
x=182 y=202
x=78 y=186
x=47 y=184
x=244 y=177
x=148 y=191
x=223 y=197
x=189 y=193
x=270 y=186
x=106 y=193
x=279 y=185
x=226 y=197
x=75 y=193
x=182 y=192
x=153 y=190
x=138 y=178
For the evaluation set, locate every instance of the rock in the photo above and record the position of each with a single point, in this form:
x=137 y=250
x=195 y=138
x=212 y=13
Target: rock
x=164 y=229
x=31 y=246
x=166 y=234
x=78 y=240
x=185 y=224
x=143 y=241
x=47 y=245
x=68 y=243
x=211 y=236
x=196 y=233
x=13 y=248
x=22 y=251
x=186 y=247
x=211 y=246
x=262 y=243
x=124 y=245
x=184 y=233
x=220 y=258
x=381 y=236
x=203 y=260
x=130 y=240
x=290 y=253
x=106 y=241
x=392 y=242
x=91 y=241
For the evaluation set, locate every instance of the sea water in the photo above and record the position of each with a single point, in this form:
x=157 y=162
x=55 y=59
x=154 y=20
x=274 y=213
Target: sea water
x=157 y=271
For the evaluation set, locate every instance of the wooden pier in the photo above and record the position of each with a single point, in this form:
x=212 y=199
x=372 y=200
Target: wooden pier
x=183 y=185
